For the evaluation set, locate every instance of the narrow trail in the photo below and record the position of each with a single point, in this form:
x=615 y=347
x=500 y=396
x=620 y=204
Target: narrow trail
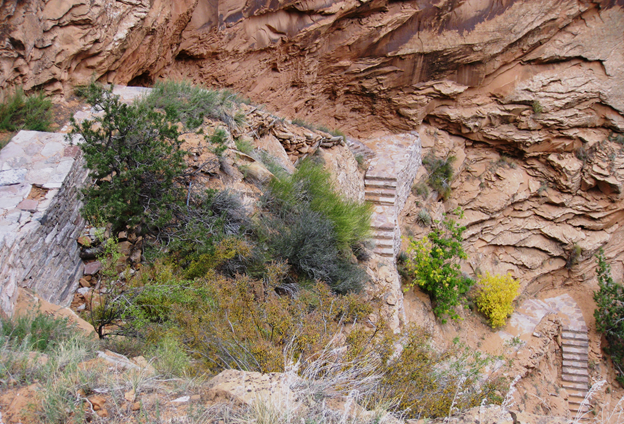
x=574 y=342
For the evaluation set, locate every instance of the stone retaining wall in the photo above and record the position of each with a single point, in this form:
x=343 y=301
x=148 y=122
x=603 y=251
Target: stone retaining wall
x=40 y=178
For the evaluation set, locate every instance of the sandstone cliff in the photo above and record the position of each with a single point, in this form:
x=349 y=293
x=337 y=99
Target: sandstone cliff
x=538 y=81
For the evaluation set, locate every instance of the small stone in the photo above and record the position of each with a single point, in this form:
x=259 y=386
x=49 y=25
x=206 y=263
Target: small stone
x=130 y=396
x=391 y=300
x=182 y=399
x=536 y=334
x=84 y=241
x=98 y=402
x=92 y=268
x=135 y=257
x=28 y=205
x=122 y=235
x=136 y=406
x=195 y=398
x=84 y=282
x=125 y=247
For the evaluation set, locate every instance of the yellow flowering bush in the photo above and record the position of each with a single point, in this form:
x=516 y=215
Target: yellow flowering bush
x=496 y=295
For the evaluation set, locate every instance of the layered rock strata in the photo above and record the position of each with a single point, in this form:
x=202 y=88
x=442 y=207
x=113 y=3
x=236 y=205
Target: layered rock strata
x=40 y=179
x=540 y=81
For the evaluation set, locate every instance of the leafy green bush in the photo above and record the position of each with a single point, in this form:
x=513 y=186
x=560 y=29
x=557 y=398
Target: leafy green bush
x=432 y=263
x=440 y=173
x=133 y=152
x=609 y=313
x=496 y=295
x=25 y=112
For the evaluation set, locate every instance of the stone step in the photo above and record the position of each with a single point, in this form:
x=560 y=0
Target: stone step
x=574 y=335
x=575 y=364
x=574 y=349
x=576 y=393
x=574 y=386
x=574 y=342
x=383 y=227
x=578 y=328
x=385 y=251
x=384 y=243
x=383 y=234
x=575 y=371
x=575 y=405
x=380 y=200
x=575 y=378
x=576 y=399
x=381 y=191
x=574 y=356
x=380 y=177
x=380 y=184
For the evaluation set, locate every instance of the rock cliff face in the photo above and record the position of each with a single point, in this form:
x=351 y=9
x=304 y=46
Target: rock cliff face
x=540 y=81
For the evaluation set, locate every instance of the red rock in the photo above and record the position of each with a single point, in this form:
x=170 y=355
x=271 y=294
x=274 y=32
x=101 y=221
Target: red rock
x=92 y=268
x=28 y=205
x=84 y=241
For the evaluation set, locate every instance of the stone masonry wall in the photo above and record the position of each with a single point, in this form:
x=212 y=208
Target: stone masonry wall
x=40 y=178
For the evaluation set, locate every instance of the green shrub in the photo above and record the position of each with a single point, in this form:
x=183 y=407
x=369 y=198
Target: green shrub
x=440 y=173
x=421 y=189
x=496 y=296
x=134 y=154
x=219 y=139
x=21 y=112
x=307 y=240
x=537 y=107
x=190 y=104
x=42 y=332
x=423 y=218
x=245 y=146
x=609 y=313
x=311 y=185
x=432 y=263
x=314 y=229
x=422 y=382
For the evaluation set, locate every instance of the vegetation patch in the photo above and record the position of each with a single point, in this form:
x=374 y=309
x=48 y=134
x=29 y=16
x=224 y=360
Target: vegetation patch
x=440 y=174
x=272 y=291
x=21 y=112
x=609 y=313
x=496 y=296
x=432 y=264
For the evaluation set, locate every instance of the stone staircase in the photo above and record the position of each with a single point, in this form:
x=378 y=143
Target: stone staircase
x=574 y=343
x=380 y=190
x=575 y=375
x=359 y=149
x=393 y=163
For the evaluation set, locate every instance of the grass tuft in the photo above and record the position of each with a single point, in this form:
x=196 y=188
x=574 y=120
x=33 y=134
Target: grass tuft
x=21 y=112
